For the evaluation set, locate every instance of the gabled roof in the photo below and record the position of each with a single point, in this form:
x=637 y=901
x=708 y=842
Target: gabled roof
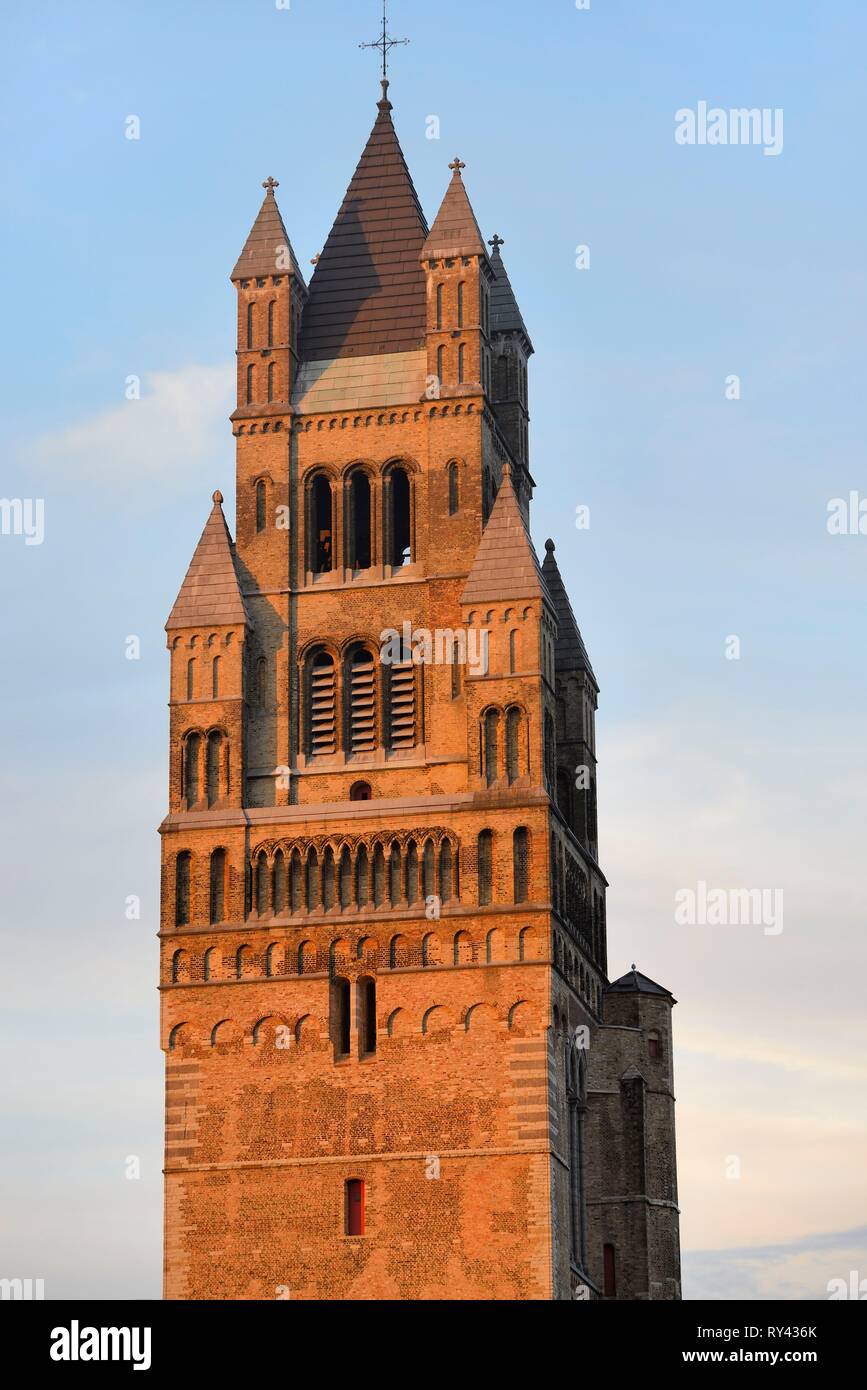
x=455 y=231
x=506 y=317
x=633 y=982
x=267 y=250
x=569 y=650
x=211 y=593
x=368 y=292
x=505 y=565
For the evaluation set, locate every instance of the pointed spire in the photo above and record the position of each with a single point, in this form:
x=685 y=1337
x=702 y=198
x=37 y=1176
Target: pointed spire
x=633 y=982
x=267 y=250
x=211 y=593
x=505 y=565
x=569 y=650
x=506 y=317
x=368 y=294
x=455 y=231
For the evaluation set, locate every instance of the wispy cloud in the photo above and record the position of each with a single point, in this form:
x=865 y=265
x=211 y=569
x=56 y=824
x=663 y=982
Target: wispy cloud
x=798 y=1269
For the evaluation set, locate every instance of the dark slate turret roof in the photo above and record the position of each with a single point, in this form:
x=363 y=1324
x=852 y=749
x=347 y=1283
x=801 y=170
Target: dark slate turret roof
x=506 y=317
x=633 y=982
x=211 y=593
x=368 y=292
x=569 y=650
x=265 y=250
x=455 y=231
x=505 y=565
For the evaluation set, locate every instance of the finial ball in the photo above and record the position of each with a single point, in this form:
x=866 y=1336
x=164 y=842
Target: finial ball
x=549 y=546
x=218 y=497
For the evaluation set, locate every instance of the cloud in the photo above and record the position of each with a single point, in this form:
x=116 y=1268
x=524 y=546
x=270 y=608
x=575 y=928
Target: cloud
x=170 y=436
x=798 y=1269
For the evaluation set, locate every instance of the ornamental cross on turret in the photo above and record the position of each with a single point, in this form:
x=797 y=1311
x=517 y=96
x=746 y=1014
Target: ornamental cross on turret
x=385 y=44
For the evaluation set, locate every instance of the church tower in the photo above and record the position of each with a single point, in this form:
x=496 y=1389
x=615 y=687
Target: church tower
x=395 y=1065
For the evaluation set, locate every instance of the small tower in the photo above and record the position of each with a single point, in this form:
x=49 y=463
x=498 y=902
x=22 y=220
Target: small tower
x=459 y=283
x=511 y=350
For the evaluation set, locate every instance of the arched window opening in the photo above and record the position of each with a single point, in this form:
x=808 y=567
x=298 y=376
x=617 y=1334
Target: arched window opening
x=439 y=307
x=340 y=1016
x=361 y=720
x=354 y=1207
x=278 y=884
x=487 y=495
x=271 y=306
x=360 y=514
x=321 y=717
x=394 y=884
x=513 y=730
x=215 y=677
x=212 y=772
x=520 y=846
x=306 y=958
x=191 y=678
x=250 y=384
x=401 y=705
x=296 y=882
x=441 y=364
x=362 y=869
x=344 y=877
x=550 y=752
x=261 y=505
x=485 y=862
x=328 y=878
x=261 y=882
x=462 y=356
x=272 y=961
x=400 y=529
x=250 y=311
x=360 y=791
x=653 y=1046
x=320 y=559
x=191 y=769
x=378 y=876
x=445 y=871
x=453 y=488
x=367 y=1015
x=411 y=875
x=209 y=962
x=461 y=305
x=177 y=963
x=463 y=948
x=217 y=911
x=271 y=366
x=491 y=740
x=513 y=651
x=311 y=887
x=428 y=876
x=182 y=888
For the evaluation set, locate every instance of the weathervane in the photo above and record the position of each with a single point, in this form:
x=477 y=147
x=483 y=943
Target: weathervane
x=385 y=44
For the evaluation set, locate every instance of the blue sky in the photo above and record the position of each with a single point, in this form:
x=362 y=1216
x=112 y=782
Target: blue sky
x=708 y=519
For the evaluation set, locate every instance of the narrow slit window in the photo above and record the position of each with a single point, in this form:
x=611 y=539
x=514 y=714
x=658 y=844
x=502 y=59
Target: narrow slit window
x=354 y=1203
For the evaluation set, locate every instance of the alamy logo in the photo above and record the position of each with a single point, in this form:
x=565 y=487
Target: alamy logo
x=729 y=907
x=76 y=1343
x=24 y=1289
x=739 y=126
x=23 y=516
x=443 y=647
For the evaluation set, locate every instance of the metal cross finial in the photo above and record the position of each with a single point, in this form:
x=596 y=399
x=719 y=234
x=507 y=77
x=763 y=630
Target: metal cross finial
x=457 y=164
x=386 y=43
x=497 y=242
x=270 y=184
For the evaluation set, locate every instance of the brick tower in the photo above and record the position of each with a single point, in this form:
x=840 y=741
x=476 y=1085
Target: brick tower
x=395 y=1066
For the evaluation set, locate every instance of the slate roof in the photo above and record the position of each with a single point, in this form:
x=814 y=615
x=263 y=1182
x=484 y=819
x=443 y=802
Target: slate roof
x=264 y=252
x=633 y=982
x=211 y=593
x=506 y=317
x=569 y=650
x=455 y=231
x=368 y=292
x=505 y=565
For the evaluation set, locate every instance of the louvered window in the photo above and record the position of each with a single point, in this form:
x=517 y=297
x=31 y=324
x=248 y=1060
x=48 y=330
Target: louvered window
x=322 y=726
x=218 y=885
x=402 y=705
x=492 y=730
x=519 y=857
x=182 y=888
x=485 y=857
x=212 y=771
x=362 y=703
x=513 y=723
x=191 y=769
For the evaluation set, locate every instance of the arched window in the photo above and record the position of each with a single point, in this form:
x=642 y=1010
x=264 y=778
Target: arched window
x=262 y=681
x=367 y=1015
x=411 y=872
x=487 y=495
x=360 y=791
x=394 y=884
x=296 y=882
x=182 y=888
x=209 y=962
x=360 y=685
x=378 y=876
x=278 y=884
x=485 y=866
x=520 y=841
x=340 y=1016
x=445 y=871
x=272 y=961
x=212 y=769
x=354 y=1208
x=271 y=307
x=439 y=307
x=262 y=885
x=191 y=769
x=441 y=364
x=362 y=873
x=250 y=384
x=513 y=729
x=344 y=878
x=400 y=684
x=550 y=752
x=461 y=305
x=453 y=488
x=609 y=1272
x=271 y=366
x=513 y=651
x=462 y=354
x=328 y=878
x=215 y=678
x=191 y=678
x=399 y=549
x=359 y=529
x=490 y=740
x=320 y=559
x=321 y=706
x=218 y=886
x=261 y=505
x=428 y=875
x=250 y=323
x=306 y=958
x=311 y=881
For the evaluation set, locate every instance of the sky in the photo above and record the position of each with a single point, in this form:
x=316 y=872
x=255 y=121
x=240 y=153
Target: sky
x=697 y=385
